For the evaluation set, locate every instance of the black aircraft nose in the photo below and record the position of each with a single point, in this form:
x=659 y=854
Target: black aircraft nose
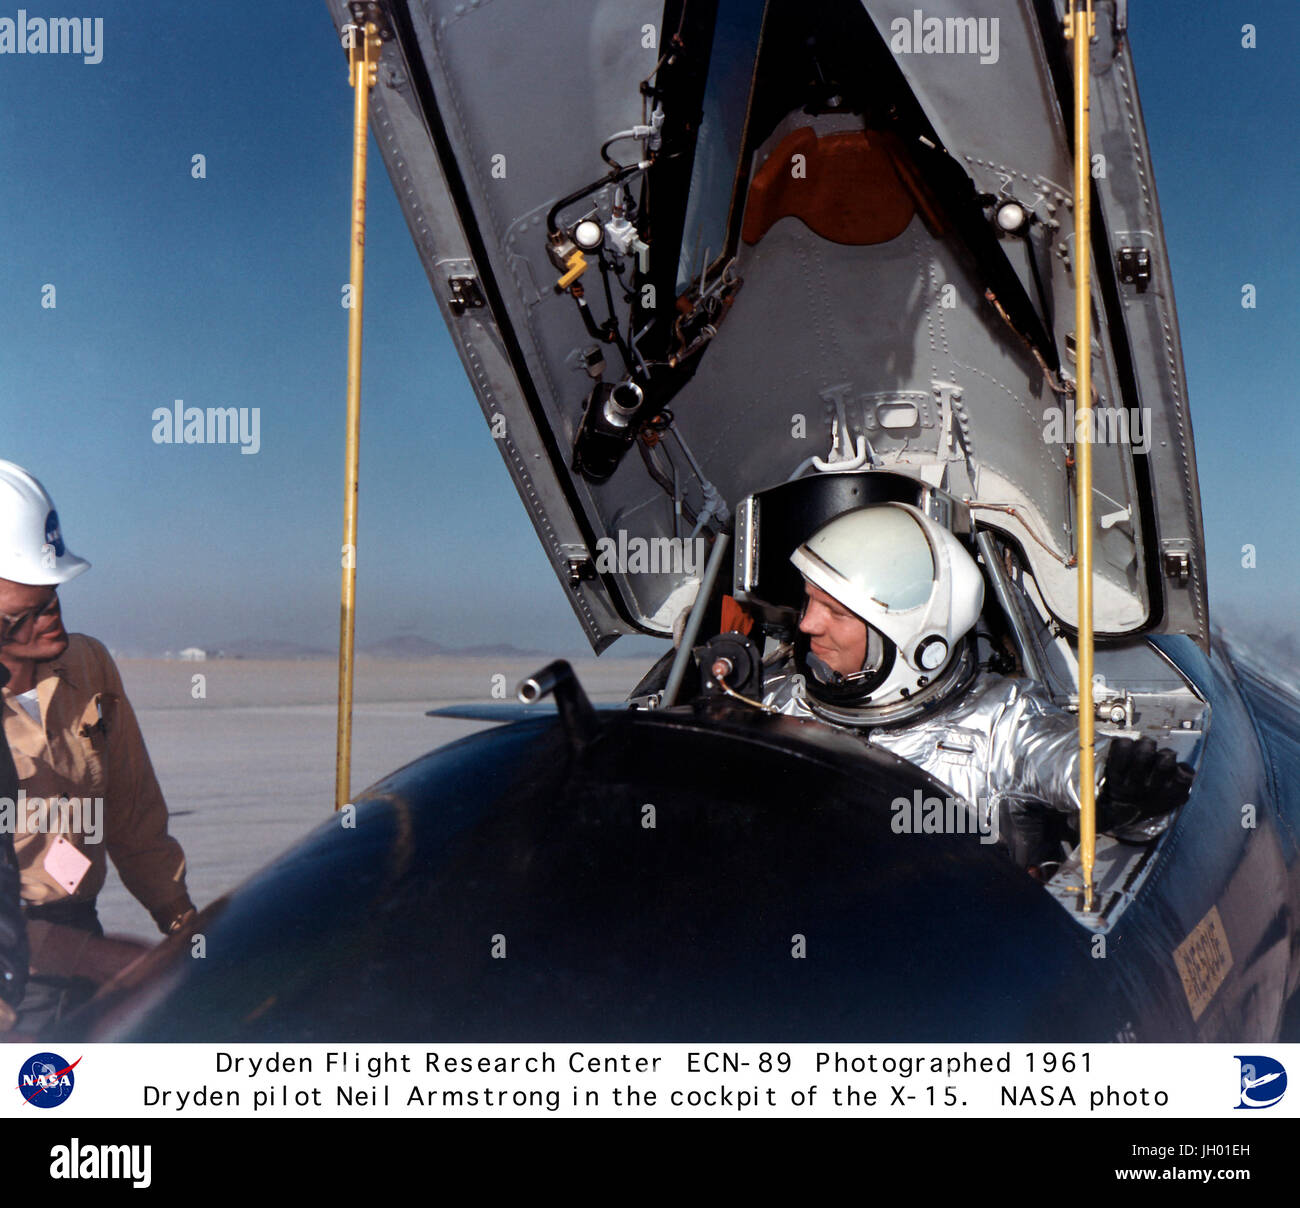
x=675 y=878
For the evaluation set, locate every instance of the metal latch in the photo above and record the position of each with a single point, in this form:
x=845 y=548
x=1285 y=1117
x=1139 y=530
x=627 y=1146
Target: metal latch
x=1134 y=264
x=1178 y=565
x=465 y=294
x=580 y=569
x=369 y=12
x=1114 y=706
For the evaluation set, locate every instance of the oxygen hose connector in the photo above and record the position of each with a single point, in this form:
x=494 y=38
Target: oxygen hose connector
x=575 y=709
x=732 y=659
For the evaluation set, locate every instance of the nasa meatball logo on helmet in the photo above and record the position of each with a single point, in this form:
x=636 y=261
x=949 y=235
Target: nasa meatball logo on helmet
x=32 y=549
x=53 y=537
x=46 y=1079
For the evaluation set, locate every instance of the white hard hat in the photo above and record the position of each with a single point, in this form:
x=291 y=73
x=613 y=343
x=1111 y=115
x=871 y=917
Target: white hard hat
x=31 y=546
x=909 y=579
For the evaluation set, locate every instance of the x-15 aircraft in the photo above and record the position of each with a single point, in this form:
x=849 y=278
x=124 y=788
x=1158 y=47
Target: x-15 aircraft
x=720 y=272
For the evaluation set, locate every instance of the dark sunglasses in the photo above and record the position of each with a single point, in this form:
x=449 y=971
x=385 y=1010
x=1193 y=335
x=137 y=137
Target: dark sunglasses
x=11 y=625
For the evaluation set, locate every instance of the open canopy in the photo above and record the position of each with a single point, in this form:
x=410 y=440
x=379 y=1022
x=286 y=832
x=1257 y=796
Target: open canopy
x=686 y=249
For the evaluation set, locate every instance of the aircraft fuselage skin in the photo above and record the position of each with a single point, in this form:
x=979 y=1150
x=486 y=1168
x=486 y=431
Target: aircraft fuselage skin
x=716 y=873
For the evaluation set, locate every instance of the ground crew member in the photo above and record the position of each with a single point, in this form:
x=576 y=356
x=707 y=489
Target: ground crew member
x=87 y=786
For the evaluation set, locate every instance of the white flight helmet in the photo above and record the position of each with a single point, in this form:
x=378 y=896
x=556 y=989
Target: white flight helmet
x=920 y=594
x=31 y=546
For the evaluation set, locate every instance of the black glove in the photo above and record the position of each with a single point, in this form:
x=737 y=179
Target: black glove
x=1141 y=782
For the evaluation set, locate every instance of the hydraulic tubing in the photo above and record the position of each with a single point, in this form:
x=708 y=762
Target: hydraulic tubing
x=610 y=178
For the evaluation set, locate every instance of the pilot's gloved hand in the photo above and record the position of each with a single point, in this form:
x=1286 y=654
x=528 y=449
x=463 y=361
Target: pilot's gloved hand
x=1141 y=782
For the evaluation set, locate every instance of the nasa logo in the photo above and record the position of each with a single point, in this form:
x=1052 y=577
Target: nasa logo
x=1263 y=1081
x=52 y=535
x=46 y=1079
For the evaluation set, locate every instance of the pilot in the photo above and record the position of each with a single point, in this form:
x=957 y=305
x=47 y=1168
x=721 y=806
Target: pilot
x=886 y=647
x=87 y=787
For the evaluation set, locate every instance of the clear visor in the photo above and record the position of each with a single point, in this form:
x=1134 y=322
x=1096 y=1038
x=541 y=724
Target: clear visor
x=886 y=560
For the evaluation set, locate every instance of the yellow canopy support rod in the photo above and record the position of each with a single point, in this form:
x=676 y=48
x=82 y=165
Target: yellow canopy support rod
x=1080 y=26
x=363 y=44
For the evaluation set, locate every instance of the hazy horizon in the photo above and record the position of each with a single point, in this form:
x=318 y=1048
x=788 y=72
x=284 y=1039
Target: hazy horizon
x=224 y=291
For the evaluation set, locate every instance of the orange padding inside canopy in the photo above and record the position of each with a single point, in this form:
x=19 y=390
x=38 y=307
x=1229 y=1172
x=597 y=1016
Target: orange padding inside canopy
x=846 y=188
x=735 y=619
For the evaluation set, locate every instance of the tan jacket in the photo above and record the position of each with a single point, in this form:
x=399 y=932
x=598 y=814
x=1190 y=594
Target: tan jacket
x=89 y=747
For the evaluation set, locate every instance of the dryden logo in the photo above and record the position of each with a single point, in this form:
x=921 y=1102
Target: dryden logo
x=45 y=1080
x=1263 y=1081
x=76 y=1160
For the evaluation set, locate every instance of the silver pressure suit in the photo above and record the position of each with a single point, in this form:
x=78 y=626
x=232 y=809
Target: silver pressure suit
x=1002 y=740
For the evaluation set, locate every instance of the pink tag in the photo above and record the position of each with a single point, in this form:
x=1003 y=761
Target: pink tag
x=66 y=864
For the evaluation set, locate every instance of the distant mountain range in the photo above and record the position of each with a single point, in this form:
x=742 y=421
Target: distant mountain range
x=412 y=646
x=400 y=646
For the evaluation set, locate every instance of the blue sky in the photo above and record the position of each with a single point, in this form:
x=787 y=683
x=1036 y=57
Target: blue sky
x=226 y=292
